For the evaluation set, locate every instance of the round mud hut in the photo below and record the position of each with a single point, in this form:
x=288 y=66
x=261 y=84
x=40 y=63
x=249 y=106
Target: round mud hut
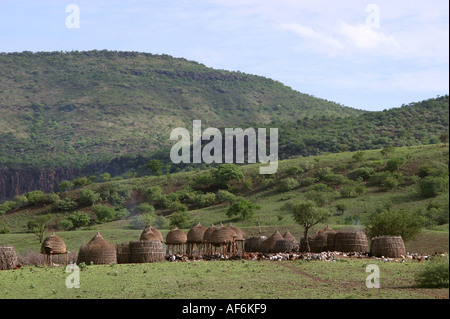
x=239 y=240
x=53 y=245
x=268 y=246
x=223 y=238
x=207 y=239
x=388 y=246
x=146 y=251
x=175 y=241
x=319 y=242
x=97 y=252
x=8 y=258
x=253 y=244
x=351 y=241
x=195 y=238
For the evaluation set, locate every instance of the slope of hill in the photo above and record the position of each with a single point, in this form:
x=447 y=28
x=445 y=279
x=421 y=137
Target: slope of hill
x=349 y=185
x=75 y=108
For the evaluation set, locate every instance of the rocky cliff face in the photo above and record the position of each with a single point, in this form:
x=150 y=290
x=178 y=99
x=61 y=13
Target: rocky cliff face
x=14 y=182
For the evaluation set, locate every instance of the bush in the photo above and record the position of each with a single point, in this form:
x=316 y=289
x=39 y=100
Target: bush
x=104 y=213
x=65 y=204
x=50 y=198
x=79 y=219
x=88 y=197
x=143 y=220
x=114 y=193
x=435 y=274
x=363 y=173
x=177 y=206
x=145 y=208
x=153 y=193
x=224 y=196
x=394 y=223
x=204 y=200
x=35 y=197
x=242 y=208
x=431 y=186
x=394 y=164
x=161 y=222
x=308 y=181
x=179 y=219
x=288 y=184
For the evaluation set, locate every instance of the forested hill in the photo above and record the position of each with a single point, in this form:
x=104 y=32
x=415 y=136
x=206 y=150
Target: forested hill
x=75 y=108
x=419 y=123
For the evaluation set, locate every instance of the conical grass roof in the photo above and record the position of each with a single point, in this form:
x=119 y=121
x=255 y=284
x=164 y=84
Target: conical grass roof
x=268 y=246
x=239 y=233
x=149 y=235
x=222 y=235
x=288 y=236
x=176 y=237
x=155 y=231
x=196 y=233
x=208 y=232
x=53 y=244
x=97 y=251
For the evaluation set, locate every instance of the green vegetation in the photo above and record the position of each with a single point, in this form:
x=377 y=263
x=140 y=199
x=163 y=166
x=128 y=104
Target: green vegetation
x=71 y=109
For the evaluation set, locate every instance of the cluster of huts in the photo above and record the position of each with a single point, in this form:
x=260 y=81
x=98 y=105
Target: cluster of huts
x=200 y=241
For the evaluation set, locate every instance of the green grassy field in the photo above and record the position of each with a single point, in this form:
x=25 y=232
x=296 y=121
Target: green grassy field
x=221 y=279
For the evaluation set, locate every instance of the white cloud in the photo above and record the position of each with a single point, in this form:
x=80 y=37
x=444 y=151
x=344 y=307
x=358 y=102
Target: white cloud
x=362 y=36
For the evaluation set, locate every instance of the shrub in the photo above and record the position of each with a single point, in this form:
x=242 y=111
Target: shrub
x=242 y=208
x=50 y=198
x=224 y=196
x=153 y=193
x=179 y=219
x=435 y=274
x=225 y=174
x=88 y=197
x=394 y=223
x=431 y=186
x=288 y=184
x=104 y=213
x=114 y=193
x=363 y=172
x=79 y=219
x=161 y=222
x=20 y=200
x=65 y=204
x=143 y=220
x=81 y=181
x=394 y=164
x=35 y=197
x=145 y=208
x=308 y=181
x=292 y=171
x=177 y=206
x=65 y=186
x=204 y=200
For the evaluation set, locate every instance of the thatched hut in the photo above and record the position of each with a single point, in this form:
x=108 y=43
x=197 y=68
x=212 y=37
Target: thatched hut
x=268 y=246
x=319 y=242
x=148 y=251
x=388 y=246
x=8 y=258
x=154 y=230
x=207 y=239
x=223 y=238
x=149 y=235
x=285 y=245
x=302 y=246
x=175 y=239
x=239 y=240
x=288 y=236
x=253 y=244
x=123 y=253
x=53 y=245
x=97 y=251
x=351 y=241
x=195 y=238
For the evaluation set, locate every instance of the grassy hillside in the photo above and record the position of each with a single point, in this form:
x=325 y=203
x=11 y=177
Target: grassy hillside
x=74 y=108
x=351 y=185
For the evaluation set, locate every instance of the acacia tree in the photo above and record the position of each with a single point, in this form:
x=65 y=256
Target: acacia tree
x=307 y=215
x=38 y=225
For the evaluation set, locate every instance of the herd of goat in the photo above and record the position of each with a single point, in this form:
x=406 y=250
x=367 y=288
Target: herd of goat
x=291 y=256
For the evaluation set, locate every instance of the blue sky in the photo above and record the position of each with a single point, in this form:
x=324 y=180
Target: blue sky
x=370 y=55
